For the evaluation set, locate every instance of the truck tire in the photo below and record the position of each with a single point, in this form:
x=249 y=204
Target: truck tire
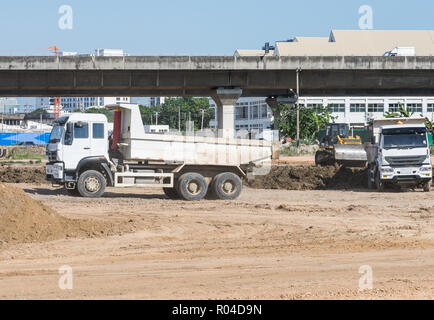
x=192 y=186
x=378 y=183
x=227 y=186
x=171 y=193
x=427 y=186
x=91 y=184
x=370 y=184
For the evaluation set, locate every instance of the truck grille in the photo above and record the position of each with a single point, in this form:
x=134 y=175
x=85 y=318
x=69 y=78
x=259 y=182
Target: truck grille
x=52 y=156
x=406 y=161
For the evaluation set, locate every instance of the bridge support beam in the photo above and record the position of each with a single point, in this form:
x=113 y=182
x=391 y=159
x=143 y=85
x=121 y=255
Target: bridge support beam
x=274 y=105
x=225 y=100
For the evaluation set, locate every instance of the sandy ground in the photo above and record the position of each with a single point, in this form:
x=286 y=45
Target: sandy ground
x=269 y=244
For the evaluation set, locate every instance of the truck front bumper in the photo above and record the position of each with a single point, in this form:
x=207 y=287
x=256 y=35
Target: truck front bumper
x=55 y=172
x=407 y=174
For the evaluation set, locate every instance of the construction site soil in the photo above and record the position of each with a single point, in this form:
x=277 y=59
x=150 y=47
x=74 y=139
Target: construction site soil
x=310 y=177
x=135 y=243
x=22 y=174
x=25 y=220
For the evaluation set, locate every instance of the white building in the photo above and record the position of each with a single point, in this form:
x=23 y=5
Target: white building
x=254 y=113
x=250 y=114
x=155 y=101
x=9 y=106
x=357 y=111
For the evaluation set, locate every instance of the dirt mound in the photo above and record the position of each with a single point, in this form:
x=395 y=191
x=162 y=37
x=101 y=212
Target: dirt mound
x=25 y=220
x=311 y=178
x=13 y=174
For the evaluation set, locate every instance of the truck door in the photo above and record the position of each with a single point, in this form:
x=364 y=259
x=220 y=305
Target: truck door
x=77 y=144
x=99 y=140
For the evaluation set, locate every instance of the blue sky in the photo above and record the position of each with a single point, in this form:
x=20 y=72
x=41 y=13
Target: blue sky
x=190 y=27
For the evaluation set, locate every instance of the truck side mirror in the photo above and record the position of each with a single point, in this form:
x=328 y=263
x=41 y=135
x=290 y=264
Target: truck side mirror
x=69 y=136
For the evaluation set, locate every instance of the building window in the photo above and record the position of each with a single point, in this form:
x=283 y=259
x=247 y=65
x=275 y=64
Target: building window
x=357 y=107
x=375 y=107
x=264 y=111
x=254 y=113
x=314 y=106
x=414 y=107
x=430 y=107
x=336 y=107
x=242 y=113
x=395 y=107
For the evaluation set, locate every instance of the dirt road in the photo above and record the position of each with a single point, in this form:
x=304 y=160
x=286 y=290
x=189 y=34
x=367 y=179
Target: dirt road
x=269 y=244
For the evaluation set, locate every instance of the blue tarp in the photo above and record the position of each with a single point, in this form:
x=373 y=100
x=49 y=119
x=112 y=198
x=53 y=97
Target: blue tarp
x=12 y=138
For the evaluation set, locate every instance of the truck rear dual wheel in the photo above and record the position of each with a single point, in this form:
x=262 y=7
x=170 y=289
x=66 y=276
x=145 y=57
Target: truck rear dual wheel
x=91 y=184
x=192 y=186
x=227 y=186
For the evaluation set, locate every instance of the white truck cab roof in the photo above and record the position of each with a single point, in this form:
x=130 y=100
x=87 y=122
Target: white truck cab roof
x=89 y=117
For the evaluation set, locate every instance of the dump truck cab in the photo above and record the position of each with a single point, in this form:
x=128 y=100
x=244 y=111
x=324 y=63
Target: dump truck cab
x=399 y=154
x=77 y=142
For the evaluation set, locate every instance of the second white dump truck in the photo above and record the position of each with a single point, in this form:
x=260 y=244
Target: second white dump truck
x=399 y=154
x=84 y=159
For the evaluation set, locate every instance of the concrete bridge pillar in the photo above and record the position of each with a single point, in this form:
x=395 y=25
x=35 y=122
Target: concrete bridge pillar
x=225 y=100
x=274 y=105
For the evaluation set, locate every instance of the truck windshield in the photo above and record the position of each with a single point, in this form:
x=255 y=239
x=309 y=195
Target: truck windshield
x=405 y=138
x=56 y=133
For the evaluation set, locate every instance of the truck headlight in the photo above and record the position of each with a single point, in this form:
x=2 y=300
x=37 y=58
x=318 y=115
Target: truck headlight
x=425 y=169
x=387 y=170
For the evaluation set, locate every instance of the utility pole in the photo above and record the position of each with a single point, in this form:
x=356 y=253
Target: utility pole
x=156 y=118
x=298 y=111
x=203 y=115
x=179 y=118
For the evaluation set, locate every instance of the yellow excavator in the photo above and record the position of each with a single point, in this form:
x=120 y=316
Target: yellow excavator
x=338 y=146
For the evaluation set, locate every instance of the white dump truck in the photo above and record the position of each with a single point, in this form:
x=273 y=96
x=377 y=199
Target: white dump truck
x=399 y=154
x=85 y=159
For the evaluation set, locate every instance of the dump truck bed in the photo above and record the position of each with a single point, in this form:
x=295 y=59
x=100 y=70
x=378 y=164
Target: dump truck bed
x=135 y=145
x=195 y=150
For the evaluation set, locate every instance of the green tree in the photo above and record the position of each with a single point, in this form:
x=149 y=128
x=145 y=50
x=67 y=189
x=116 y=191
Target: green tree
x=312 y=120
x=168 y=112
x=107 y=112
x=39 y=111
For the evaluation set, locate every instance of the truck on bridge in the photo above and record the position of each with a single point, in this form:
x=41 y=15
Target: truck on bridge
x=85 y=160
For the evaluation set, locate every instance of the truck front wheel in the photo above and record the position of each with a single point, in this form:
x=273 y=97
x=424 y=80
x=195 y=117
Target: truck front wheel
x=91 y=184
x=379 y=184
x=227 y=186
x=427 y=186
